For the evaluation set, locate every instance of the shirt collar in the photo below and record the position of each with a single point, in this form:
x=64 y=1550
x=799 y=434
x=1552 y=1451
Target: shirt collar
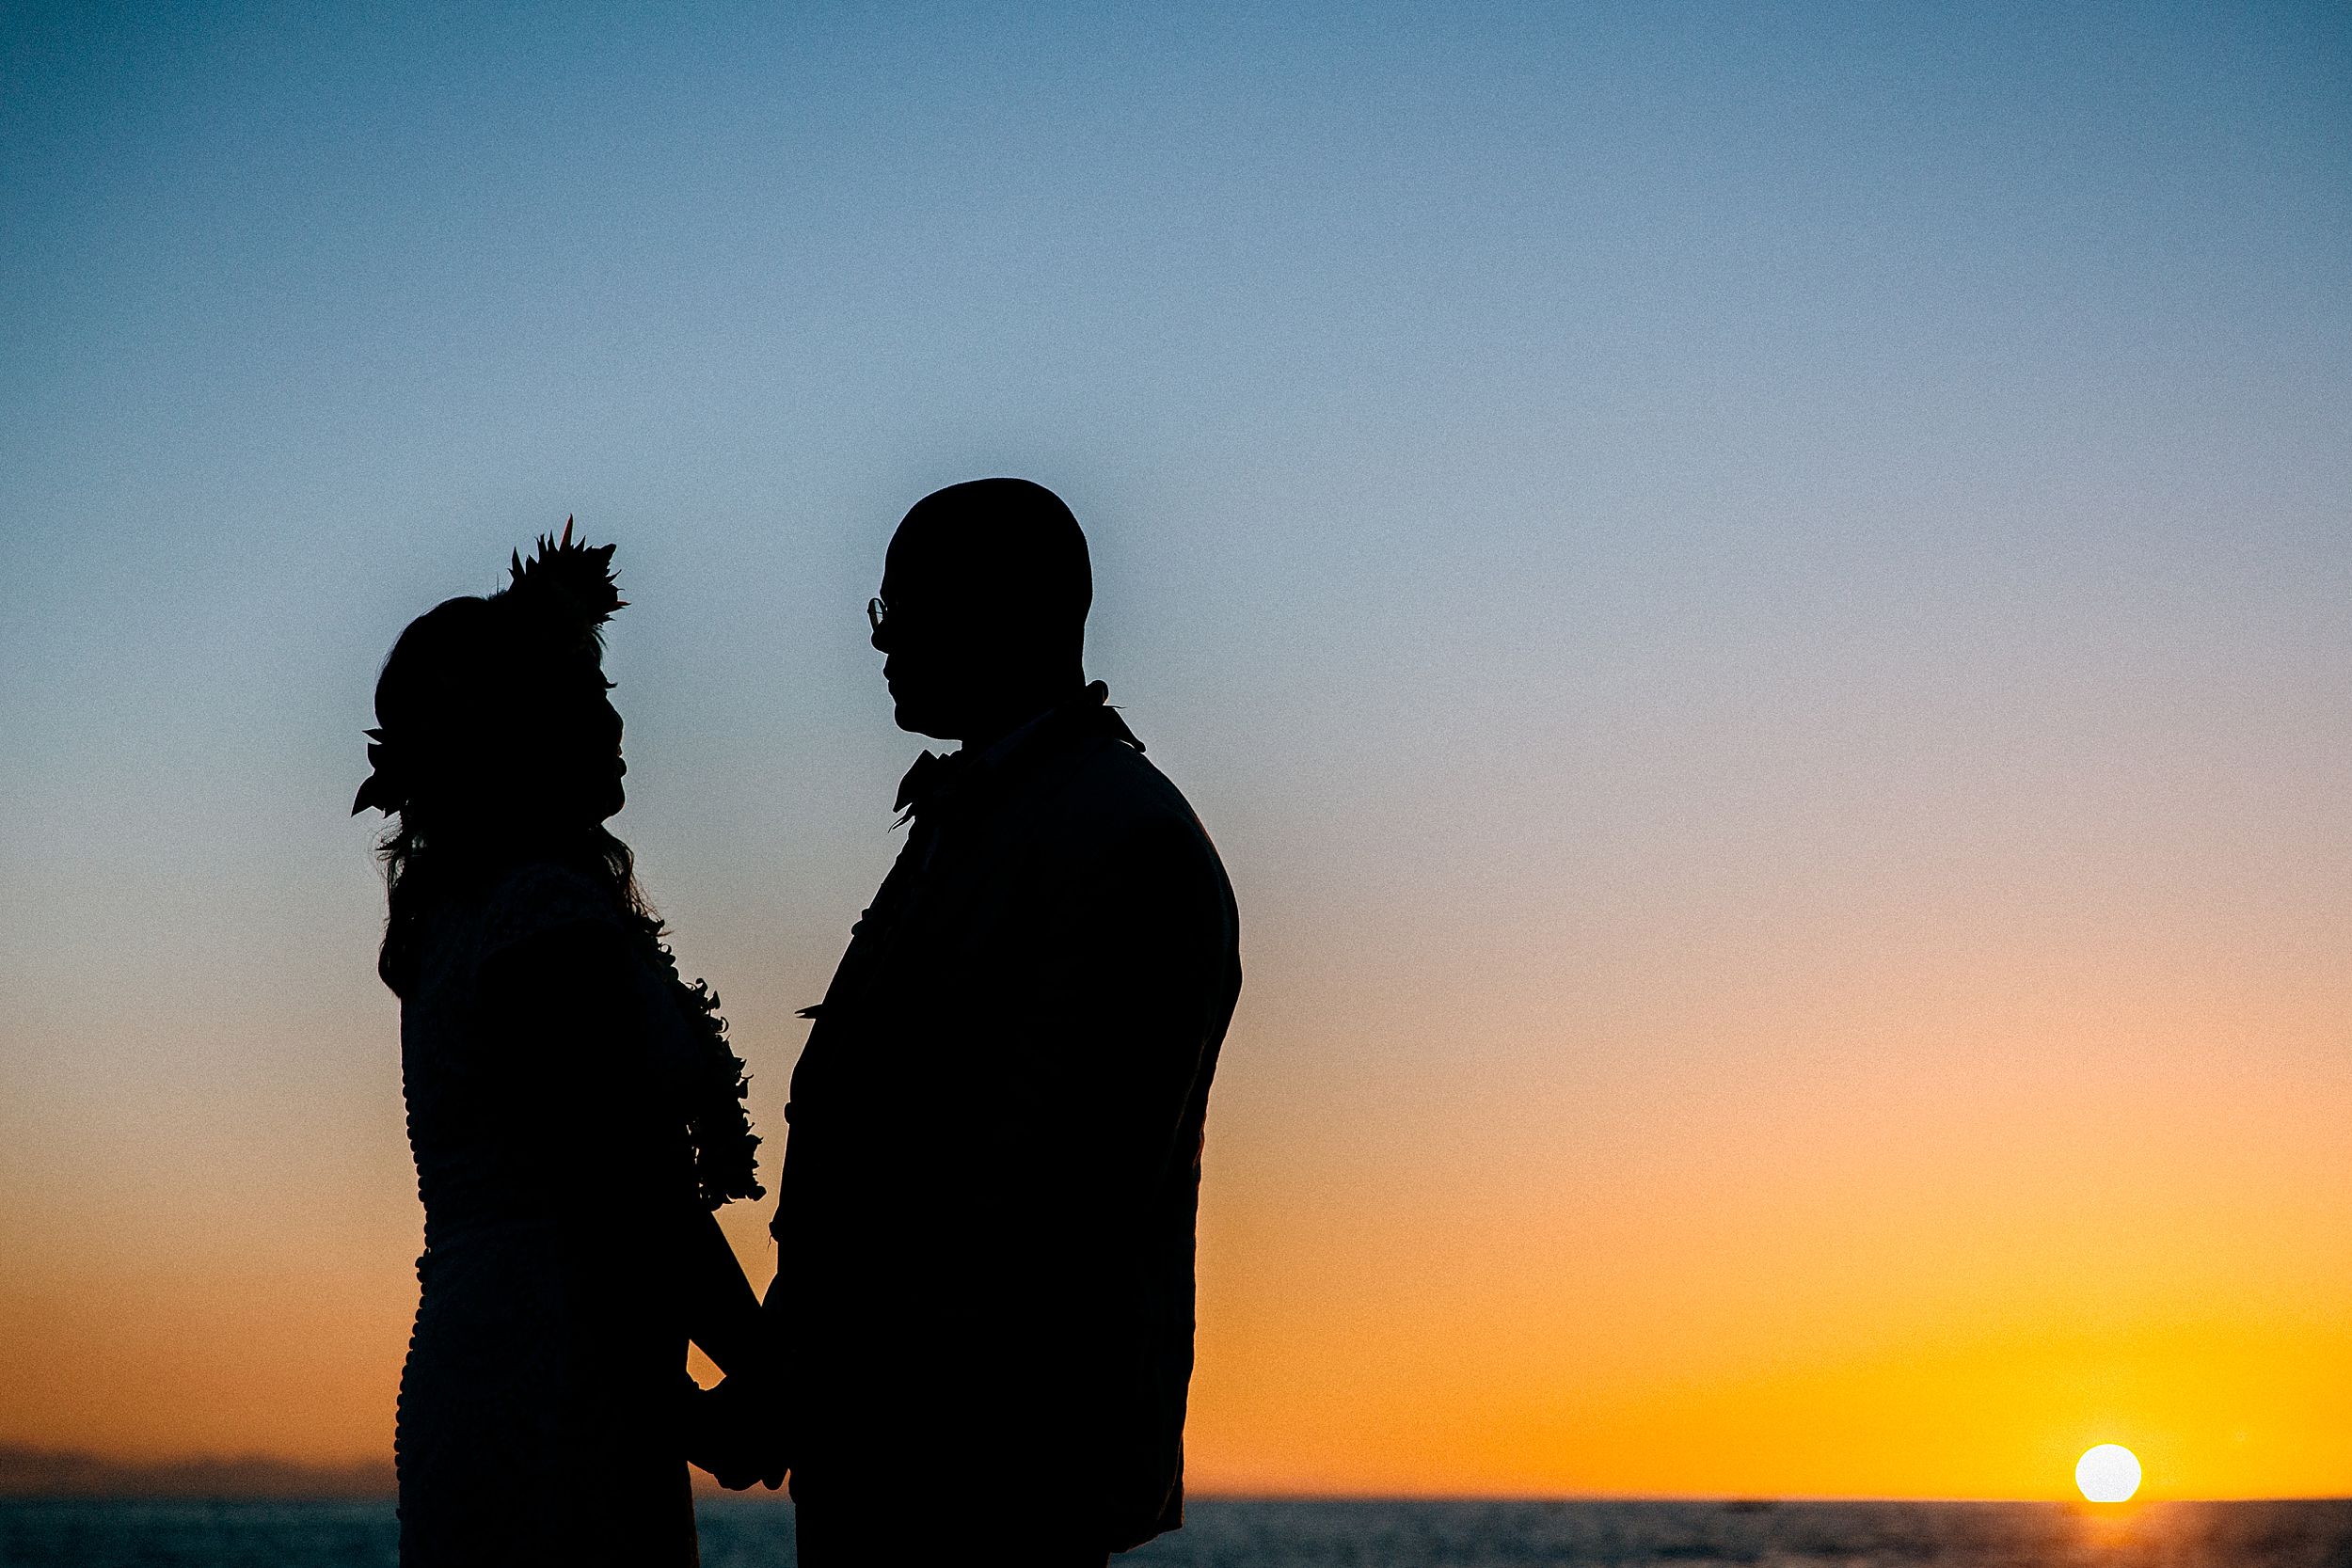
x=935 y=777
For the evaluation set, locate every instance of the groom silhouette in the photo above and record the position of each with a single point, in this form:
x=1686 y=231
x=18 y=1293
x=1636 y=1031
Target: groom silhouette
x=984 y=1276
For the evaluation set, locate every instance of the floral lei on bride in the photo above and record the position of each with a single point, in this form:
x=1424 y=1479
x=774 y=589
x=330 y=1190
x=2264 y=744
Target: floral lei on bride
x=727 y=1162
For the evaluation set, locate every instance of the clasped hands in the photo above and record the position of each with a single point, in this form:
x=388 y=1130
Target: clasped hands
x=735 y=1430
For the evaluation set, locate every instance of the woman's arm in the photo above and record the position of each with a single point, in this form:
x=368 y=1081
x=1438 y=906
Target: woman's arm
x=735 y=1432
x=723 y=1314
x=564 y=1019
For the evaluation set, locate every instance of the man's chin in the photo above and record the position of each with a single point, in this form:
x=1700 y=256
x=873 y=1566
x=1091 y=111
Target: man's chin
x=914 y=721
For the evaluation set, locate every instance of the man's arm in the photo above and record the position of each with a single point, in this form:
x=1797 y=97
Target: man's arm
x=1136 y=987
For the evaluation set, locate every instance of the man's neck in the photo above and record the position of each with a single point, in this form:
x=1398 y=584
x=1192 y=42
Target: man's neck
x=1017 y=714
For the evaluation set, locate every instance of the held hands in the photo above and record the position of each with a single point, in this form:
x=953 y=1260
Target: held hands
x=735 y=1430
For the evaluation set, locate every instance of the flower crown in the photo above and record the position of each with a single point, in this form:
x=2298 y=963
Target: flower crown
x=570 y=584
x=567 y=589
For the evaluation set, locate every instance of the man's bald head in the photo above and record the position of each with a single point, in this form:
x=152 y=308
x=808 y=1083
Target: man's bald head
x=1005 y=547
x=986 y=589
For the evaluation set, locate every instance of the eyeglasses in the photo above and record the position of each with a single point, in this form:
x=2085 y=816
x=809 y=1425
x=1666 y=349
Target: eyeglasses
x=876 y=613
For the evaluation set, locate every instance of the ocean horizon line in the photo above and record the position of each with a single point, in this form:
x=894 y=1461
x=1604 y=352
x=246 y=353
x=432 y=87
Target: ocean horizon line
x=31 y=1473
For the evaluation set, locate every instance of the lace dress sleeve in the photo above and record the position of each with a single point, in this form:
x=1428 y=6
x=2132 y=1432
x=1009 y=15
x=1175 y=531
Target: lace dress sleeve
x=567 y=1004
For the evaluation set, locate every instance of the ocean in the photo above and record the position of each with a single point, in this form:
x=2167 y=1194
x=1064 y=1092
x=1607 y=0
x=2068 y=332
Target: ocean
x=1236 y=1534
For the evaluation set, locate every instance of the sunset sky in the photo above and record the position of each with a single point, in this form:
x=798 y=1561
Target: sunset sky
x=1758 y=598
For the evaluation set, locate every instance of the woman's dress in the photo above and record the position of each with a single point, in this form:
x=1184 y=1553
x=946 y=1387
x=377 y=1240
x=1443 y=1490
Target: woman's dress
x=544 y=1058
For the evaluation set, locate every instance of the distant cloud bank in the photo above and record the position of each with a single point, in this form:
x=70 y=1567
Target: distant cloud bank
x=28 y=1472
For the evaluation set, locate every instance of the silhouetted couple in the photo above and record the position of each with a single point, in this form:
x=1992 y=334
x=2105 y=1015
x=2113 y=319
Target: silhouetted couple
x=979 y=1339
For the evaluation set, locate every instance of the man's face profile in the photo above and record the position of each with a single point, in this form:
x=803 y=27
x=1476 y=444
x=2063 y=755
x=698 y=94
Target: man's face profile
x=981 y=618
x=923 y=634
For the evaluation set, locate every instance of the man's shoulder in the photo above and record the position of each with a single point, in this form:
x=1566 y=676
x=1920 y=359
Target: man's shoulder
x=1113 y=788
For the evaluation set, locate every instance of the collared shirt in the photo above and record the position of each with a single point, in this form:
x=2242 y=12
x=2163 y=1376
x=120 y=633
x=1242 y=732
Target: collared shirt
x=965 y=773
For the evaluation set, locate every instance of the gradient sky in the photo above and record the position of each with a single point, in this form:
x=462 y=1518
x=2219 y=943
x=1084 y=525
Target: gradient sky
x=1755 y=595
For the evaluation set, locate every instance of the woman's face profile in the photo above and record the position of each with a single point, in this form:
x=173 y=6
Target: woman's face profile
x=564 y=761
x=595 y=765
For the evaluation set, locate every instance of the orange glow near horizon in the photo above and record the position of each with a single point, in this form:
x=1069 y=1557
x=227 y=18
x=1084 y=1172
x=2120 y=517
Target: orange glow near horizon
x=1927 y=1284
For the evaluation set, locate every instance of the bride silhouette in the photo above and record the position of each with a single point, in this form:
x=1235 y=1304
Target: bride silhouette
x=574 y=1108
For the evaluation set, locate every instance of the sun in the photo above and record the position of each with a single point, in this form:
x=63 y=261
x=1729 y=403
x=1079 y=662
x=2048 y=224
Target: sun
x=2108 y=1473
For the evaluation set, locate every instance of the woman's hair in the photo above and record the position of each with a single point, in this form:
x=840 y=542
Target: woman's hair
x=496 y=748
x=481 y=711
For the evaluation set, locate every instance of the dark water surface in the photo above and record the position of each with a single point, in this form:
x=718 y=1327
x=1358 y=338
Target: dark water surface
x=758 y=1533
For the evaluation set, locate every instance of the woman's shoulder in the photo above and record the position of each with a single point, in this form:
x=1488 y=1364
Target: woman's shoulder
x=543 y=898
